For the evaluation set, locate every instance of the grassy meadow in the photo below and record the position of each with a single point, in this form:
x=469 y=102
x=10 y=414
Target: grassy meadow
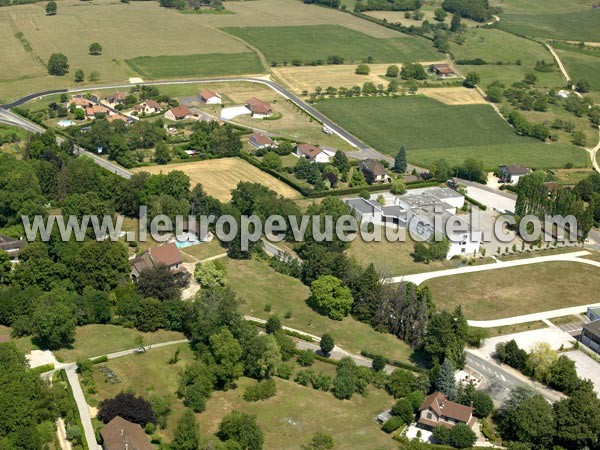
x=258 y=285
x=309 y=43
x=581 y=66
x=556 y=19
x=432 y=130
x=505 y=293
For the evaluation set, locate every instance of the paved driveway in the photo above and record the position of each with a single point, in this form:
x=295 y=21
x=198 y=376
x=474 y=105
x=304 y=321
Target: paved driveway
x=526 y=340
x=234 y=111
x=586 y=367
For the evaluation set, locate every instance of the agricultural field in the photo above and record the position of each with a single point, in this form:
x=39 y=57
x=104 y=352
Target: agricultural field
x=257 y=285
x=212 y=64
x=454 y=95
x=582 y=66
x=220 y=176
x=502 y=293
x=295 y=413
x=317 y=42
x=460 y=132
x=555 y=19
x=495 y=45
x=508 y=74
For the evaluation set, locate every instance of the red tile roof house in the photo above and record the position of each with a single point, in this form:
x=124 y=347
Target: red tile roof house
x=210 y=98
x=167 y=255
x=180 y=112
x=442 y=70
x=437 y=410
x=148 y=107
x=312 y=153
x=258 y=108
x=374 y=171
x=120 y=434
x=91 y=111
x=116 y=99
x=259 y=140
x=80 y=102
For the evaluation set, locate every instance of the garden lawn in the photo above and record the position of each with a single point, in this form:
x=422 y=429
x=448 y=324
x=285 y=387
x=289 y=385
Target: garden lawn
x=98 y=340
x=556 y=19
x=259 y=285
x=201 y=65
x=317 y=42
x=432 y=130
x=146 y=374
x=517 y=290
x=290 y=418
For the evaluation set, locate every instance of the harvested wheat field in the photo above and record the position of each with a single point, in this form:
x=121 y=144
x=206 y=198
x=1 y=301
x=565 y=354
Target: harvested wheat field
x=220 y=176
x=454 y=95
x=308 y=78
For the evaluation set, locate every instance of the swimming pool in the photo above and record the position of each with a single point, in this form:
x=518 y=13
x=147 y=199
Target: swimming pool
x=65 y=123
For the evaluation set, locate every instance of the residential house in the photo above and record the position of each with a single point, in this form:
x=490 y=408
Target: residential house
x=180 y=112
x=374 y=171
x=116 y=99
x=590 y=335
x=120 y=434
x=92 y=111
x=12 y=246
x=437 y=410
x=114 y=117
x=420 y=211
x=210 y=98
x=442 y=70
x=313 y=153
x=259 y=108
x=167 y=255
x=259 y=140
x=148 y=107
x=513 y=173
x=80 y=102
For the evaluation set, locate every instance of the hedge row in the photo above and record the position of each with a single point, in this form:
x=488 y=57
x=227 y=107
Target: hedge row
x=99 y=359
x=476 y=203
x=302 y=189
x=393 y=362
x=42 y=369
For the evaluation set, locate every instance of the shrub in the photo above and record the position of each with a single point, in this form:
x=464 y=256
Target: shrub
x=392 y=424
x=260 y=391
x=306 y=358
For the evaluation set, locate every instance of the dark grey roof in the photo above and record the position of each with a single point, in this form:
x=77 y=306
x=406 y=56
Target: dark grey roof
x=593 y=328
x=363 y=206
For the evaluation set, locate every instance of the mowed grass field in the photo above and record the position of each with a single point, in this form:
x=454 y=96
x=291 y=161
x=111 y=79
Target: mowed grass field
x=557 y=19
x=432 y=130
x=517 y=290
x=581 y=66
x=290 y=418
x=98 y=340
x=220 y=176
x=257 y=284
x=309 y=43
x=211 y=64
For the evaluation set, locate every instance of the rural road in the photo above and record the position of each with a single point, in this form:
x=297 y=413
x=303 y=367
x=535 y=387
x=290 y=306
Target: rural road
x=593 y=153
x=559 y=62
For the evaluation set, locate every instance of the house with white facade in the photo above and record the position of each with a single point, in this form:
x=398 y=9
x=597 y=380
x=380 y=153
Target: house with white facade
x=210 y=98
x=313 y=153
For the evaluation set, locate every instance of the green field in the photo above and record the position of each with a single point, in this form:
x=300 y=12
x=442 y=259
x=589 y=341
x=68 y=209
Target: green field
x=582 y=66
x=505 y=293
x=495 y=45
x=309 y=43
x=508 y=74
x=557 y=19
x=258 y=285
x=212 y=64
x=432 y=130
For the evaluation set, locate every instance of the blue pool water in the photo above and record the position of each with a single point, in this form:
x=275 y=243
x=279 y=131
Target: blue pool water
x=65 y=123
